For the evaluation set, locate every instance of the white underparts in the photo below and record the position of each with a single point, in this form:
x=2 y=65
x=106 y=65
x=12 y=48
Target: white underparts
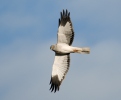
x=64 y=48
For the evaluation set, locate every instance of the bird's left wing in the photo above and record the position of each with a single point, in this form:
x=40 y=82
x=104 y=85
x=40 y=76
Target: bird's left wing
x=59 y=70
x=65 y=29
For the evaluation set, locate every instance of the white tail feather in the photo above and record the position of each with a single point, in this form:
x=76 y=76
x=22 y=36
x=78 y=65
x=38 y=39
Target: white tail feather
x=84 y=50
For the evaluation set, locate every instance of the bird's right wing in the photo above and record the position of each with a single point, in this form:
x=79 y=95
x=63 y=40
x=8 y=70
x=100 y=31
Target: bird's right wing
x=59 y=70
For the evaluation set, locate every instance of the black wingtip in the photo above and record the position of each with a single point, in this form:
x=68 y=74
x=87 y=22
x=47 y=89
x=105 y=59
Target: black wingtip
x=59 y=22
x=63 y=12
x=64 y=17
x=55 y=84
x=66 y=12
x=69 y=14
x=61 y=15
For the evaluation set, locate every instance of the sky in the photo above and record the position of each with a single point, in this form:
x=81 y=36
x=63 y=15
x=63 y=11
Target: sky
x=29 y=27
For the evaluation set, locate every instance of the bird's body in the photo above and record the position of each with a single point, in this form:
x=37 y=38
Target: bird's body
x=62 y=51
x=63 y=48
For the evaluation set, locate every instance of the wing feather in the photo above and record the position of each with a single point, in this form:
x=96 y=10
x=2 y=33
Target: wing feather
x=65 y=29
x=59 y=70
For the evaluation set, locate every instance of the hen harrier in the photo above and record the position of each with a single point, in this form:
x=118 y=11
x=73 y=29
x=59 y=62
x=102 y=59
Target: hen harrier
x=62 y=51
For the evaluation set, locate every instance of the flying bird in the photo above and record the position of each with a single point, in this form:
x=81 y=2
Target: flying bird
x=62 y=49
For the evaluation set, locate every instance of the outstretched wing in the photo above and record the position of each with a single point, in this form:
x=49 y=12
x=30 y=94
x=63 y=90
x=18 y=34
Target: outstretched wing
x=65 y=29
x=59 y=70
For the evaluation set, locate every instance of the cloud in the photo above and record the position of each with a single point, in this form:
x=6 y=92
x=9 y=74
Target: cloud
x=98 y=74
x=26 y=68
x=100 y=19
x=22 y=64
x=21 y=16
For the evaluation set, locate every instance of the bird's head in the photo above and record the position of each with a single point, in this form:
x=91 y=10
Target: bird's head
x=52 y=47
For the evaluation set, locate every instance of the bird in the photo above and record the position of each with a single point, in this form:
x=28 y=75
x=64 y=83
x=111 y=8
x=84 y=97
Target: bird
x=62 y=49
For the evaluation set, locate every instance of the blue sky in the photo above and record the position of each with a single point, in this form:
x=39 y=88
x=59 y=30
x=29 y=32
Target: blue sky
x=29 y=27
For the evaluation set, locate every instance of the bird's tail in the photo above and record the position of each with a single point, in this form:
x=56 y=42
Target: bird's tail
x=84 y=50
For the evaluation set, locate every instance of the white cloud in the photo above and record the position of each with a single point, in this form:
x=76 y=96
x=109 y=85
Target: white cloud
x=26 y=72
x=97 y=75
x=96 y=14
